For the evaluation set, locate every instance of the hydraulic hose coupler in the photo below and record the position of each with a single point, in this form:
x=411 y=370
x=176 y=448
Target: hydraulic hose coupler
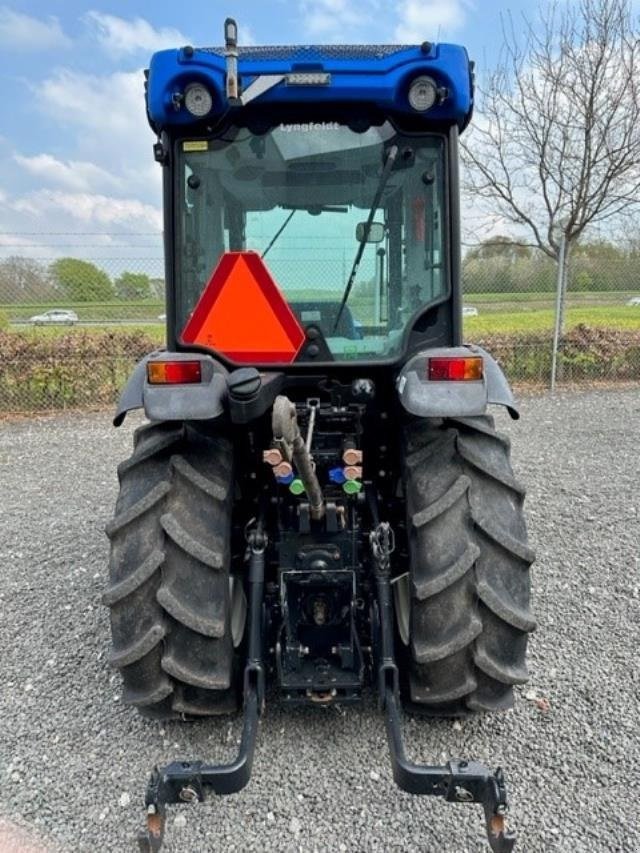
x=289 y=441
x=350 y=453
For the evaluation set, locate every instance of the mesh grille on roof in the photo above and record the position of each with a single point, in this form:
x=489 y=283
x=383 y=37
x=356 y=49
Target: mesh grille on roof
x=315 y=51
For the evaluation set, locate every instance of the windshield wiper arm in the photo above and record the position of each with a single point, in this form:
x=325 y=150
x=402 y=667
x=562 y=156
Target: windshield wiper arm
x=384 y=177
x=315 y=210
x=279 y=232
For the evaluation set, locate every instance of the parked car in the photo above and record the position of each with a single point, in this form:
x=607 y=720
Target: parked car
x=469 y=311
x=56 y=315
x=635 y=301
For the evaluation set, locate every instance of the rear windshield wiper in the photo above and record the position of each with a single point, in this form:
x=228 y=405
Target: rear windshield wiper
x=279 y=232
x=315 y=210
x=384 y=177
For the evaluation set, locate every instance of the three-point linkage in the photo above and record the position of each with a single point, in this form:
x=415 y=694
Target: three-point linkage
x=457 y=781
x=187 y=781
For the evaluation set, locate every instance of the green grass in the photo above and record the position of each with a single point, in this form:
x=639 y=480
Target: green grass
x=87 y=311
x=609 y=297
x=510 y=322
x=525 y=302
x=499 y=313
x=495 y=322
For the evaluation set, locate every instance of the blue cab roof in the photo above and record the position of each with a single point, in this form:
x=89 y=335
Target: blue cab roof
x=376 y=76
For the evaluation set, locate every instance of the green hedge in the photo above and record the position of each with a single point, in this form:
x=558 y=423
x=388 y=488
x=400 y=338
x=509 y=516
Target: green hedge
x=586 y=354
x=88 y=369
x=67 y=371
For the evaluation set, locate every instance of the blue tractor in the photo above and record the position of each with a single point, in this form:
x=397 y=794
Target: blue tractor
x=319 y=501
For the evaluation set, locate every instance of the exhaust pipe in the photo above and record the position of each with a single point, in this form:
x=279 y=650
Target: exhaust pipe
x=289 y=441
x=231 y=55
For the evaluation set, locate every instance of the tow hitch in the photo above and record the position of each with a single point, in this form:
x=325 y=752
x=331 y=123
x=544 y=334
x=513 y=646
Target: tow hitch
x=457 y=781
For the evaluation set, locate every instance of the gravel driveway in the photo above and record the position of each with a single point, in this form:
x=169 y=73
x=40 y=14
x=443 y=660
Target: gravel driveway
x=74 y=761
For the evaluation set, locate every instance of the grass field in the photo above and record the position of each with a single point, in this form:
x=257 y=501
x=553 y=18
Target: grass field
x=149 y=309
x=509 y=322
x=87 y=311
x=524 y=301
x=493 y=322
x=499 y=313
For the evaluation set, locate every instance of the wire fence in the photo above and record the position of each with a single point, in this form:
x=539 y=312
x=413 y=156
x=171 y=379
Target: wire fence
x=78 y=311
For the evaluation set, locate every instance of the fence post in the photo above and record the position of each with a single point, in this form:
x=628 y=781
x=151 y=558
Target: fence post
x=560 y=292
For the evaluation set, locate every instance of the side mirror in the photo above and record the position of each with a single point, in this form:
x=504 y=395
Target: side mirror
x=376 y=232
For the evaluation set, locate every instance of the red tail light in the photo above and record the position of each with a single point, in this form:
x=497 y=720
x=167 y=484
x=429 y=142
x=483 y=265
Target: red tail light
x=455 y=369
x=174 y=372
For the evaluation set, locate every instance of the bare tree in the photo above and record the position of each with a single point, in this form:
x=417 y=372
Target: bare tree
x=555 y=146
x=24 y=280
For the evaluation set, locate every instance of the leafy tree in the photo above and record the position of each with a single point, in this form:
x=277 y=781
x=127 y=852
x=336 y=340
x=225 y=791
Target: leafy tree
x=499 y=247
x=599 y=250
x=603 y=266
x=81 y=281
x=157 y=286
x=133 y=285
x=502 y=267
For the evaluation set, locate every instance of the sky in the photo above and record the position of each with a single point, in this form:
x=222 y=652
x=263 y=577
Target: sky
x=75 y=148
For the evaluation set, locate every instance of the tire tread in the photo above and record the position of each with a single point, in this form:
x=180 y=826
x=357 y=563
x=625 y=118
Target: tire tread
x=168 y=592
x=470 y=586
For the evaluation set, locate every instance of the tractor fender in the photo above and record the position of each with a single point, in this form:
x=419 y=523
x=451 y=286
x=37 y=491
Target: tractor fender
x=194 y=402
x=433 y=399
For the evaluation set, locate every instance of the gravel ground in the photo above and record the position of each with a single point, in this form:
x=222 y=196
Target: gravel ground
x=74 y=761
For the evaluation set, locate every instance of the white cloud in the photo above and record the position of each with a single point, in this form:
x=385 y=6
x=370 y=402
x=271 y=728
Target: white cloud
x=79 y=175
x=90 y=209
x=113 y=103
x=25 y=247
x=421 y=20
x=113 y=232
x=407 y=21
x=332 y=18
x=119 y=36
x=107 y=120
x=110 y=180
x=106 y=182
x=22 y=32
x=246 y=36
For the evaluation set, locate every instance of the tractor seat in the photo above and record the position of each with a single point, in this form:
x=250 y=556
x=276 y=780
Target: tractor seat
x=323 y=314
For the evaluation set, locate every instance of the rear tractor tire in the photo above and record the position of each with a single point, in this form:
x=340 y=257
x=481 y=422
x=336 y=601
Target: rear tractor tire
x=469 y=583
x=169 y=592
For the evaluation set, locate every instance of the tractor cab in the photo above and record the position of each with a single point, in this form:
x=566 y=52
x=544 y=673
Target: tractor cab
x=337 y=167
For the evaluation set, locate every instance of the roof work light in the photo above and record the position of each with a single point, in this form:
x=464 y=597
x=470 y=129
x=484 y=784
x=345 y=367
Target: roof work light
x=423 y=94
x=198 y=100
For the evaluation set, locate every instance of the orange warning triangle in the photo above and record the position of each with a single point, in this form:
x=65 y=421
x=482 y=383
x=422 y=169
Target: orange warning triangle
x=243 y=315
